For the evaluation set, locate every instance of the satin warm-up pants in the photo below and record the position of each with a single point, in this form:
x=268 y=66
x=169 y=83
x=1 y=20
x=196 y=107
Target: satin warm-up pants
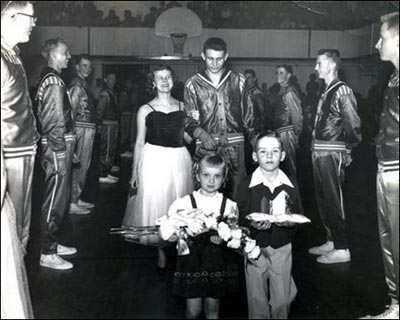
x=328 y=174
x=387 y=185
x=57 y=195
x=85 y=135
x=19 y=166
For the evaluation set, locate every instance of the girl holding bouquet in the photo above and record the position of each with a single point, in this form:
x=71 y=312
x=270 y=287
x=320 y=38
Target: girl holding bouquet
x=162 y=166
x=208 y=272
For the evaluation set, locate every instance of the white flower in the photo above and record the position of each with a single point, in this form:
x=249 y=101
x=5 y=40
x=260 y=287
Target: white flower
x=234 y=244
x=195 y=114
x=166 y=231
x=255 y=253
x=211 y=223
x=236 y=234
x=195 y=227
x=161 y=220
x=250 y=245
x=223 y=231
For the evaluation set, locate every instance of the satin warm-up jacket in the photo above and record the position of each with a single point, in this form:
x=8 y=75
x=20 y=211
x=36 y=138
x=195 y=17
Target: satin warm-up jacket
x=387 y=141
x=82 y=101
x=220 y=109
x=107 y=107
x=54 y=110
x=337 y=124
x=18 y=125
x=287 y=112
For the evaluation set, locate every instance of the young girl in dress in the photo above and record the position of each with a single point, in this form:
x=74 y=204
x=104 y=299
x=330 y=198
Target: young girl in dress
x=208 y=272
x=162 y=166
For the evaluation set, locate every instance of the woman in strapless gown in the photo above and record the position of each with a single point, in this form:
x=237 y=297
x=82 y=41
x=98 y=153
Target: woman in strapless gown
x=162 y=165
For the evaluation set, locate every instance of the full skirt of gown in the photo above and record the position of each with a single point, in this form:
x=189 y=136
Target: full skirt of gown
x=165 y=174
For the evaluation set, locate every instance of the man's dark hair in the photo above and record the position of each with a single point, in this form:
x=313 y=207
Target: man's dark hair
x=392 y=21
x=287 y=67
x=83 y=56
x=333 y=54
x=216 y=44
x=250 y=71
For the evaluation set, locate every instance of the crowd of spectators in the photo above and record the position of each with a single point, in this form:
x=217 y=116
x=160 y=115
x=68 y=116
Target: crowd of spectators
x=332 y=15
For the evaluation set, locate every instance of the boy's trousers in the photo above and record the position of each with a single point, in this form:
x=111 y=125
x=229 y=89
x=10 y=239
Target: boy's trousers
x=274 y=265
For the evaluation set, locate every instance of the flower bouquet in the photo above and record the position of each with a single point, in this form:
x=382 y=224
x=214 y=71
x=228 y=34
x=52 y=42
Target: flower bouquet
x=193 y=222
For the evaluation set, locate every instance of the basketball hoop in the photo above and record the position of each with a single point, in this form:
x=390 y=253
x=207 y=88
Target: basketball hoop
x=178 y=24
x=178 y=40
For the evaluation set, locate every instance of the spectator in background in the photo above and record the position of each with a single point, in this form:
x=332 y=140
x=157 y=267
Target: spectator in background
x=98 y=19
x=254 y=96
x=129 y=20
x=112 y=19
x=83 y=109
x=150 y=19
x=126 y=114
x=310 y=103
x=107 y=128
x=288 y=117
x=97 y=89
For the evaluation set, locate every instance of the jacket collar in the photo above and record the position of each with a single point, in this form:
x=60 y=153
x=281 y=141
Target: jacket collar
x=258 y=178
x=225 y=75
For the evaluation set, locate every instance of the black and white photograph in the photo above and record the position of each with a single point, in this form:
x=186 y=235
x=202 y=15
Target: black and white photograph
x=199 y=160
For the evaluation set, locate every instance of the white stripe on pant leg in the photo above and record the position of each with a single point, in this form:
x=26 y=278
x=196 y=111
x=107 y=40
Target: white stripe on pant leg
x=340 y=186
x=54 y=190
x=108 y=143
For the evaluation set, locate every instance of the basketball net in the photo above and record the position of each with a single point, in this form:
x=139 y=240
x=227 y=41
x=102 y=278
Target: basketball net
x=178 y=41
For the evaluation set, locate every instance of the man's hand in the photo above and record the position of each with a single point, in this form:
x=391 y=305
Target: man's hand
x=286 y=224
x=208 y=142
x=61 y=166
x=173 y=238
x=261 y=225
x=75 y=159
x=216 y=239
x=348 y=159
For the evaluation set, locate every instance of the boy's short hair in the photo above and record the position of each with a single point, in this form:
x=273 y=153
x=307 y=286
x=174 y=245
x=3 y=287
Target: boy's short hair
x=82 y=56
x=267 y=134
x=333 y=54
x=287 y=67
x=49 y=45
x=250 y=71
x=216 y=44
x=213 y=160
x=392 y=21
